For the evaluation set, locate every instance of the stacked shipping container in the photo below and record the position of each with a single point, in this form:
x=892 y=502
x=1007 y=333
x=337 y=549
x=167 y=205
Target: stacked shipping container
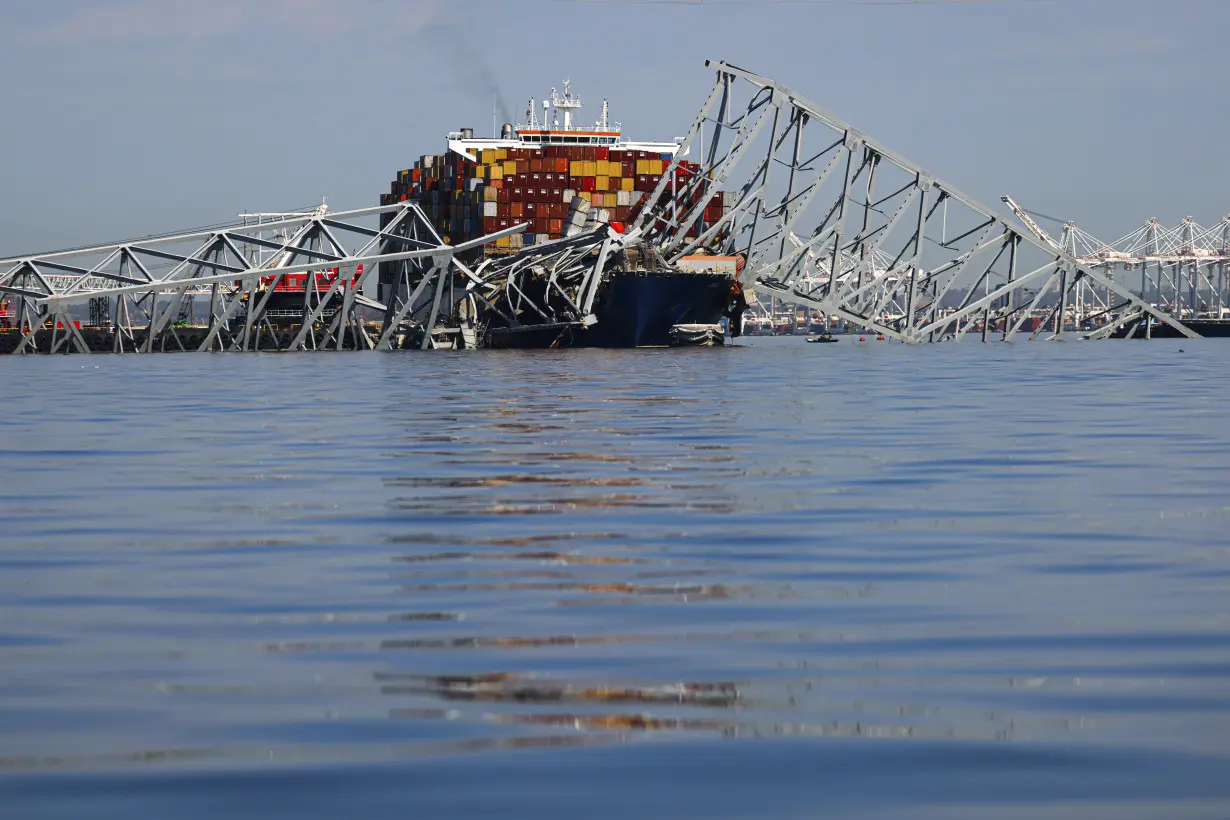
x=538 y=186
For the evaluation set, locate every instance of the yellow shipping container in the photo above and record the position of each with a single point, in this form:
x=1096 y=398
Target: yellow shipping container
x=591 y=168
x=586 y=195
x=642 y=167
x=501 y=153
x=626 y=184
x=504 y=242
x=576 y=168
x=655 y=166
x=602 y=183
x=510 y=166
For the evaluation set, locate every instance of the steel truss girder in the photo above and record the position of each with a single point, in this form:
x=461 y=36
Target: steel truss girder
x=238 y=283
x=882 y=249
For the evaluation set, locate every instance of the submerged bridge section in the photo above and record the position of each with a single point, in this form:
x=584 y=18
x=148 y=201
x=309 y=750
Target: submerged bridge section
x=1180 y=270
x=300 y=282
x=824 y=216
x=831 y=218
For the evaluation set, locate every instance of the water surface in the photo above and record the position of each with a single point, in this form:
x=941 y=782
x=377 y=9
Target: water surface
x=969 y=580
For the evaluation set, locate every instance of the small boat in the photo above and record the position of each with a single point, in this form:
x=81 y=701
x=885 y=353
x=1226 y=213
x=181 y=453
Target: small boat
x=816 y=340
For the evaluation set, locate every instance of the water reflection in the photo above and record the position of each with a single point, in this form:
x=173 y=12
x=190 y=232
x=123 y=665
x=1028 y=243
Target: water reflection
x=616 y=551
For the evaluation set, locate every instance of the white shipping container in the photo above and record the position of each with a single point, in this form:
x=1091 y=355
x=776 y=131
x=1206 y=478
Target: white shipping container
x=490 y=209
x=623 y=198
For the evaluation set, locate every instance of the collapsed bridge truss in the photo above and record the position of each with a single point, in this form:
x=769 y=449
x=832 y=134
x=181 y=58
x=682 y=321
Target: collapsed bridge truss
x=824 y=215
x=832 y=219
x=151 y=288
x=1180 y=270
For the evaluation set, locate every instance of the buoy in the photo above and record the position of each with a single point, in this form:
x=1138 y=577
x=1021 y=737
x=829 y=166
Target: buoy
x=880 y=338
x=862 y=338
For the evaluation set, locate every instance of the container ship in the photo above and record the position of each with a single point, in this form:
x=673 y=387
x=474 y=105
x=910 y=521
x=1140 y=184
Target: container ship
x=533 y=172
x=561 y=178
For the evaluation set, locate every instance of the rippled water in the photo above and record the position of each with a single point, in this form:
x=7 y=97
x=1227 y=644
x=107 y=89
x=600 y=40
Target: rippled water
x=971 y=580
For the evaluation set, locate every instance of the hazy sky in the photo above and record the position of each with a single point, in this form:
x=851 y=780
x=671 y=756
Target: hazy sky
x=135 y=116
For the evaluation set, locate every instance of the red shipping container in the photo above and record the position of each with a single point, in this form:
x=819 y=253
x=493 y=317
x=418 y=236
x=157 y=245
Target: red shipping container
x=587 y=184
x=518 y=210
x=544 y=194
x=536 y=178
x=502 y=210
x=556 y=226
x=604 y=153
x=535 y=166
x=556 y=194
x=531 y=208
x=504 y=223
x=561 y=165
x=542 y=225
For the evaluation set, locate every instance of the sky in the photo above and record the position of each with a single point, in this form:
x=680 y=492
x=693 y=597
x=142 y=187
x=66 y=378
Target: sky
x=132 y=117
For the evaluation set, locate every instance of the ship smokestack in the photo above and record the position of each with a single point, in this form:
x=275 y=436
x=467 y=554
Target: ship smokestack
x=507 y=131
x=467 y=133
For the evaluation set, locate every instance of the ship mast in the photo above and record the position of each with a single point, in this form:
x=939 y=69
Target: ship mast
x=567 y=103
